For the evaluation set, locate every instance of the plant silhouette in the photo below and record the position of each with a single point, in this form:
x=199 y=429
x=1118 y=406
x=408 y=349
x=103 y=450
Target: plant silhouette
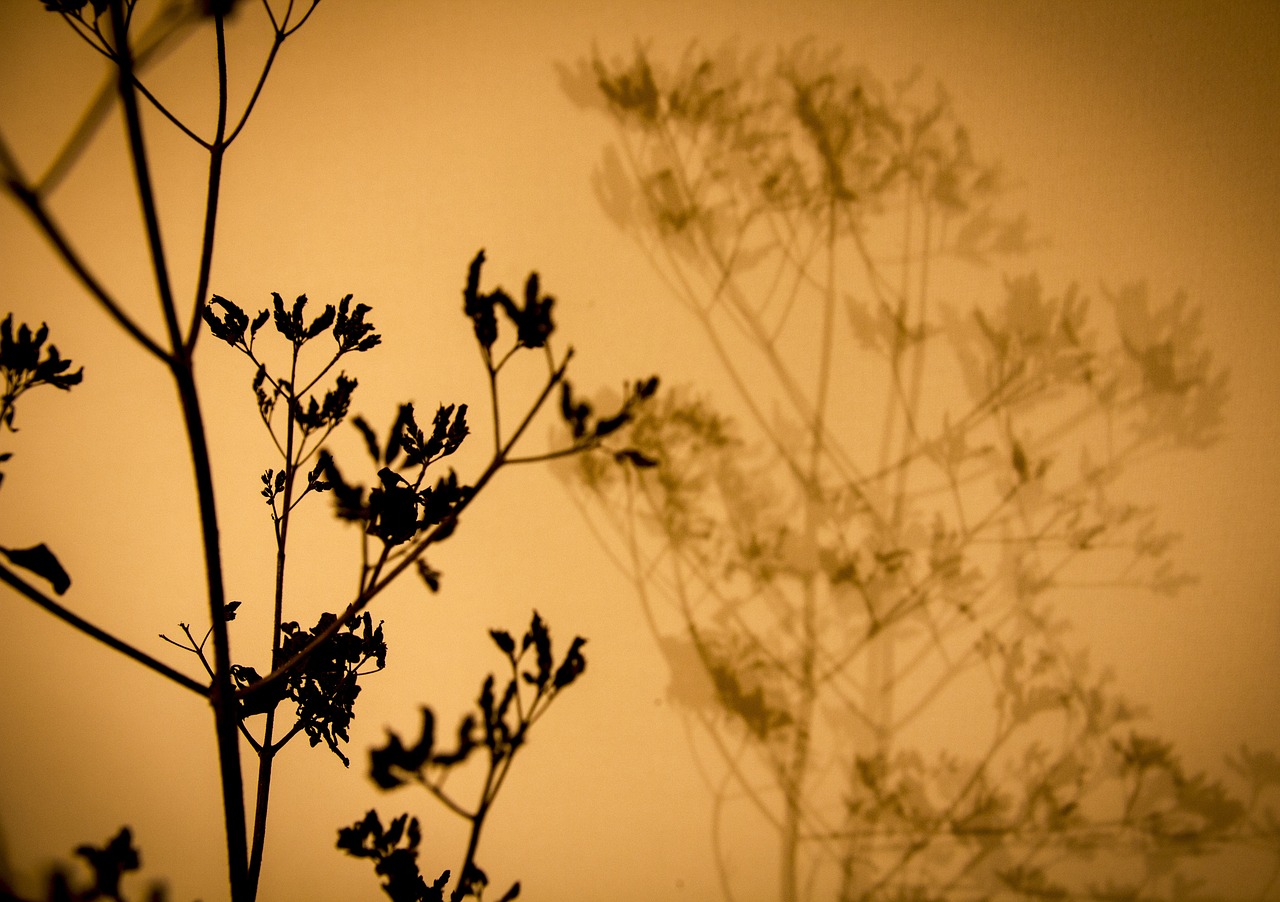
x=875 y=542
x=315 y=675
x=499 y=739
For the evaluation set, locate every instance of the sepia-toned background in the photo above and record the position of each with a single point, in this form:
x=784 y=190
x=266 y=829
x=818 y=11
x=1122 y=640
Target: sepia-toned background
x=394 y=140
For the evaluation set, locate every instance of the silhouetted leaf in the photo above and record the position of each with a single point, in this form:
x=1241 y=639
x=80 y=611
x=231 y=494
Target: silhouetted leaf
x=315 y=479
x=262 y=699
x=266 y=402
x=52 y=370
x=244 y=675
x=348 y=499
x=329 y=413
x=26 y=363
x=289 y=323
x=647 y=388
x=321 y=322
x=370 y=438
x=351 y=331
x=533 y=320
x=429 y=574
x=535 y=325
x=441 y=501
x=466 y=744
x=386 y=762
x=574 y=413
x=487 y=710
x=404 y=424
x=572 y=666
x=447 y=433
x=111 y=862
x=20 y=352
x=504 y=641
x=367 y=839
x=230 y=328
x=42 y=562
x=479 y=308
x=540 y=639
x=354 y=840
x=393 y=509
x=635 y=458
x=610 y=425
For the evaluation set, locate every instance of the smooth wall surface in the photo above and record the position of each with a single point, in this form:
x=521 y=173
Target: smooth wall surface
x=393 y=140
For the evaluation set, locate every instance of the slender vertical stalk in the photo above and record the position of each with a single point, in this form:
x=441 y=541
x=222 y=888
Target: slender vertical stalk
x=142 y=176
x=796 y=770
x=824 y=359
x=221 y=695
x=180 y=364
x=217 y=151
x=477 y=824
x=266 y=757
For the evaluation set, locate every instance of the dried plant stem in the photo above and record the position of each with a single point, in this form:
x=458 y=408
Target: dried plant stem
x=67 y=616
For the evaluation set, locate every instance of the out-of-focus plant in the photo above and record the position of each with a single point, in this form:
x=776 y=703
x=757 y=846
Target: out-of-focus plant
x=854 y=577
x=314 y=675
x=109 y=864
x=496 y=735
x=28 y=360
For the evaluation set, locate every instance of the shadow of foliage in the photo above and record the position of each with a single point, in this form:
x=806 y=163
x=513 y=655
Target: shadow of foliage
x=855 y=576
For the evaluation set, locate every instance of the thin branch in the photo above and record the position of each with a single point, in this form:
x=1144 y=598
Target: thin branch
x=226 y=713
x=31 y=202
x=289 y=30
x=142 y=177
x=95 y=632
x=83 y=31
x=158 y=39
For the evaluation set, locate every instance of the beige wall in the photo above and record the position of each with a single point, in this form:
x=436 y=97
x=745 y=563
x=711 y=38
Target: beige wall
x=394 y=140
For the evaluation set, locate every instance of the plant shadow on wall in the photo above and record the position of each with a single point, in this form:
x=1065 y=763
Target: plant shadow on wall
x=873 y=548
x=313 y=676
